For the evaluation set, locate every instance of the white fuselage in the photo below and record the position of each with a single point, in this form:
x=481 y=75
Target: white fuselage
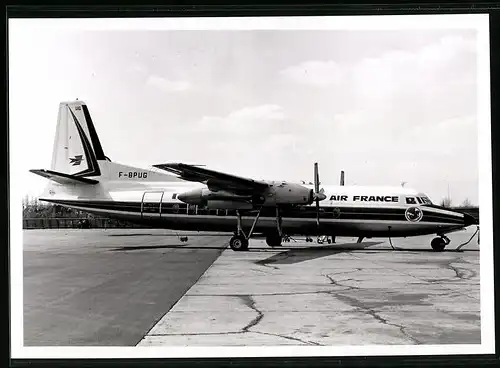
x=346 y=211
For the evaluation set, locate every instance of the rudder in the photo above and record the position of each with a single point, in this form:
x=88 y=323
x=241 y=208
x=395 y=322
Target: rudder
x=77 y=148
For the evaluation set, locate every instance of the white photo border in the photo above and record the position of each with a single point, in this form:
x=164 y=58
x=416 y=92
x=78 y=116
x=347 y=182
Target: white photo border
x=478 y=22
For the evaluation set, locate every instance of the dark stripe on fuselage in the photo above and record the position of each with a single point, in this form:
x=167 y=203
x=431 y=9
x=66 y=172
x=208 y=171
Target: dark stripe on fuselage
x=345 y=213
x=99 y=153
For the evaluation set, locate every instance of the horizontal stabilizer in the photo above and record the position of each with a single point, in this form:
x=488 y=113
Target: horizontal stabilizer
x=62 y=178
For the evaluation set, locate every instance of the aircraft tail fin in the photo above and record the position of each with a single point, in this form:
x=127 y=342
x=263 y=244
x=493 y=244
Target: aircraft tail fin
x=77 y=148
x=78 y=156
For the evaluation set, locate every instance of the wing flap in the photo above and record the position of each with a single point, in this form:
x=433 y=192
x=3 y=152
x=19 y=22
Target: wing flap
x=62 y=178
x=214 y=179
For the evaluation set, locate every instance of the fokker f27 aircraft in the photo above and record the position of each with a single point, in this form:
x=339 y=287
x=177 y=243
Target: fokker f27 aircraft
x=188 y=197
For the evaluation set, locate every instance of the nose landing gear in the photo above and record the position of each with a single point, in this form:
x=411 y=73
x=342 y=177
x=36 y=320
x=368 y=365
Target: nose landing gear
x=438 y=244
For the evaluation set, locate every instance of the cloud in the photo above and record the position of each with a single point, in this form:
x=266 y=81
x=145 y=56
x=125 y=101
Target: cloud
x=257 y=113
x=136 y=68
x=247 y=120
x=379 y=77
x=314 y=72
x=168 y=85
x=396 y=70
x=247 y=138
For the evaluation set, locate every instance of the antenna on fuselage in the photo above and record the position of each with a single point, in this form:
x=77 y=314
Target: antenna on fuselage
x=342 y=183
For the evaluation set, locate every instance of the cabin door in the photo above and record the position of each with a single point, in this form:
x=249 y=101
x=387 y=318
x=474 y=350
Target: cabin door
x=151 y=205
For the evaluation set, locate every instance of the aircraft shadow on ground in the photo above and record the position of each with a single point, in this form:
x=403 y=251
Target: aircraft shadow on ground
x=289 y=254
x=297 y=255
x=162 y=235
x=168 y=246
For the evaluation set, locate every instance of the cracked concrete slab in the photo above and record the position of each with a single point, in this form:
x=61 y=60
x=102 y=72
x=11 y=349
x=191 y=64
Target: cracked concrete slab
x=344 y=296
x=229 y=339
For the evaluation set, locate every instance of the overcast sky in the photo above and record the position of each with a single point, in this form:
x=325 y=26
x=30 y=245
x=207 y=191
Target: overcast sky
x=384 y=106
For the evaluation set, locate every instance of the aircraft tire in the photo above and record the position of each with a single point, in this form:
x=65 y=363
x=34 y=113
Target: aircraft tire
x=273 y=240
x=238 y=243
x=438 y=244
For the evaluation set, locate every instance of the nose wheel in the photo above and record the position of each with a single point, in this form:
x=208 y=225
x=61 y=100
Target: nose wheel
x=438 y=244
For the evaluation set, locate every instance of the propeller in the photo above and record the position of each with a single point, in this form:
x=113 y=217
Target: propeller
x=319 y=194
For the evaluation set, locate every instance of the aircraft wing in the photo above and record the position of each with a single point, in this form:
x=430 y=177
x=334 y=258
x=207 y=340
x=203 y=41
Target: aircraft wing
x=215 y=180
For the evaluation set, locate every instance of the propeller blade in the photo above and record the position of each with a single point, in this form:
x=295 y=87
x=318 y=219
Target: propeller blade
x=319 y=195
x=317 y=213
x=316 y=178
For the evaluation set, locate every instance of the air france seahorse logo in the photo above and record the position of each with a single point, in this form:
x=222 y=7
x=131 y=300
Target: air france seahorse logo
x=414 y=214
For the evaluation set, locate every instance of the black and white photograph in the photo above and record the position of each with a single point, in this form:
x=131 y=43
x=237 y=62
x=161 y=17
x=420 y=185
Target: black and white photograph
x=258 y=186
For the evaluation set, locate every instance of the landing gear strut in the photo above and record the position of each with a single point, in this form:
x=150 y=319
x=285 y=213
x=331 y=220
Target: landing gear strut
x=240 y=241
x=438 y=244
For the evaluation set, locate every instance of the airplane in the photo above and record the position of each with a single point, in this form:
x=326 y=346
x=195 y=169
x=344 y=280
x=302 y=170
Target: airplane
x=181 y=196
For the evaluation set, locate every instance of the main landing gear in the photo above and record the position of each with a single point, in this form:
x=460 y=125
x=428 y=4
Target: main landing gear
x=438 y=244
x=240 y=241
x=274 y=240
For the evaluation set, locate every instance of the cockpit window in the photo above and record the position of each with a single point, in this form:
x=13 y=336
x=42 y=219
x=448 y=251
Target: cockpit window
x=420 y=200
x=410 y=200
x=426 y=200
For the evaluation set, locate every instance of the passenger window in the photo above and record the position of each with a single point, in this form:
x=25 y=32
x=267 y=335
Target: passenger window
x=410 y=200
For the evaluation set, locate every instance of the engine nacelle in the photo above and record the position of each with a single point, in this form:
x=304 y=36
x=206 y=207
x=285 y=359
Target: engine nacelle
x=202 y=196
x=278 y=193
x=288 y=193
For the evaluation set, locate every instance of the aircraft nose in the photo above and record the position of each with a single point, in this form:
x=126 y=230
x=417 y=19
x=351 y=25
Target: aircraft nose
x=470 y=220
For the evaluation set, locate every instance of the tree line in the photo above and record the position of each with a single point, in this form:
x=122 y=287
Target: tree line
x=35 y=209
x=448 y=203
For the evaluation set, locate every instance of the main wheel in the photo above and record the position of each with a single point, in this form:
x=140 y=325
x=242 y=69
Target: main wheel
x=273 y=240
x=438 y=244
x=238 y=243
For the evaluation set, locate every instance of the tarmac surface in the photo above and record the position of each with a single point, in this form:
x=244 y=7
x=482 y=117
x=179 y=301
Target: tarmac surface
x=144 y=287
x=106 y=287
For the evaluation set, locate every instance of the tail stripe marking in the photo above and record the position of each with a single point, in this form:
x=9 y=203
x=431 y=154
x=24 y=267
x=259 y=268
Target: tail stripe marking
x=93 y=169
x=99 y=153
